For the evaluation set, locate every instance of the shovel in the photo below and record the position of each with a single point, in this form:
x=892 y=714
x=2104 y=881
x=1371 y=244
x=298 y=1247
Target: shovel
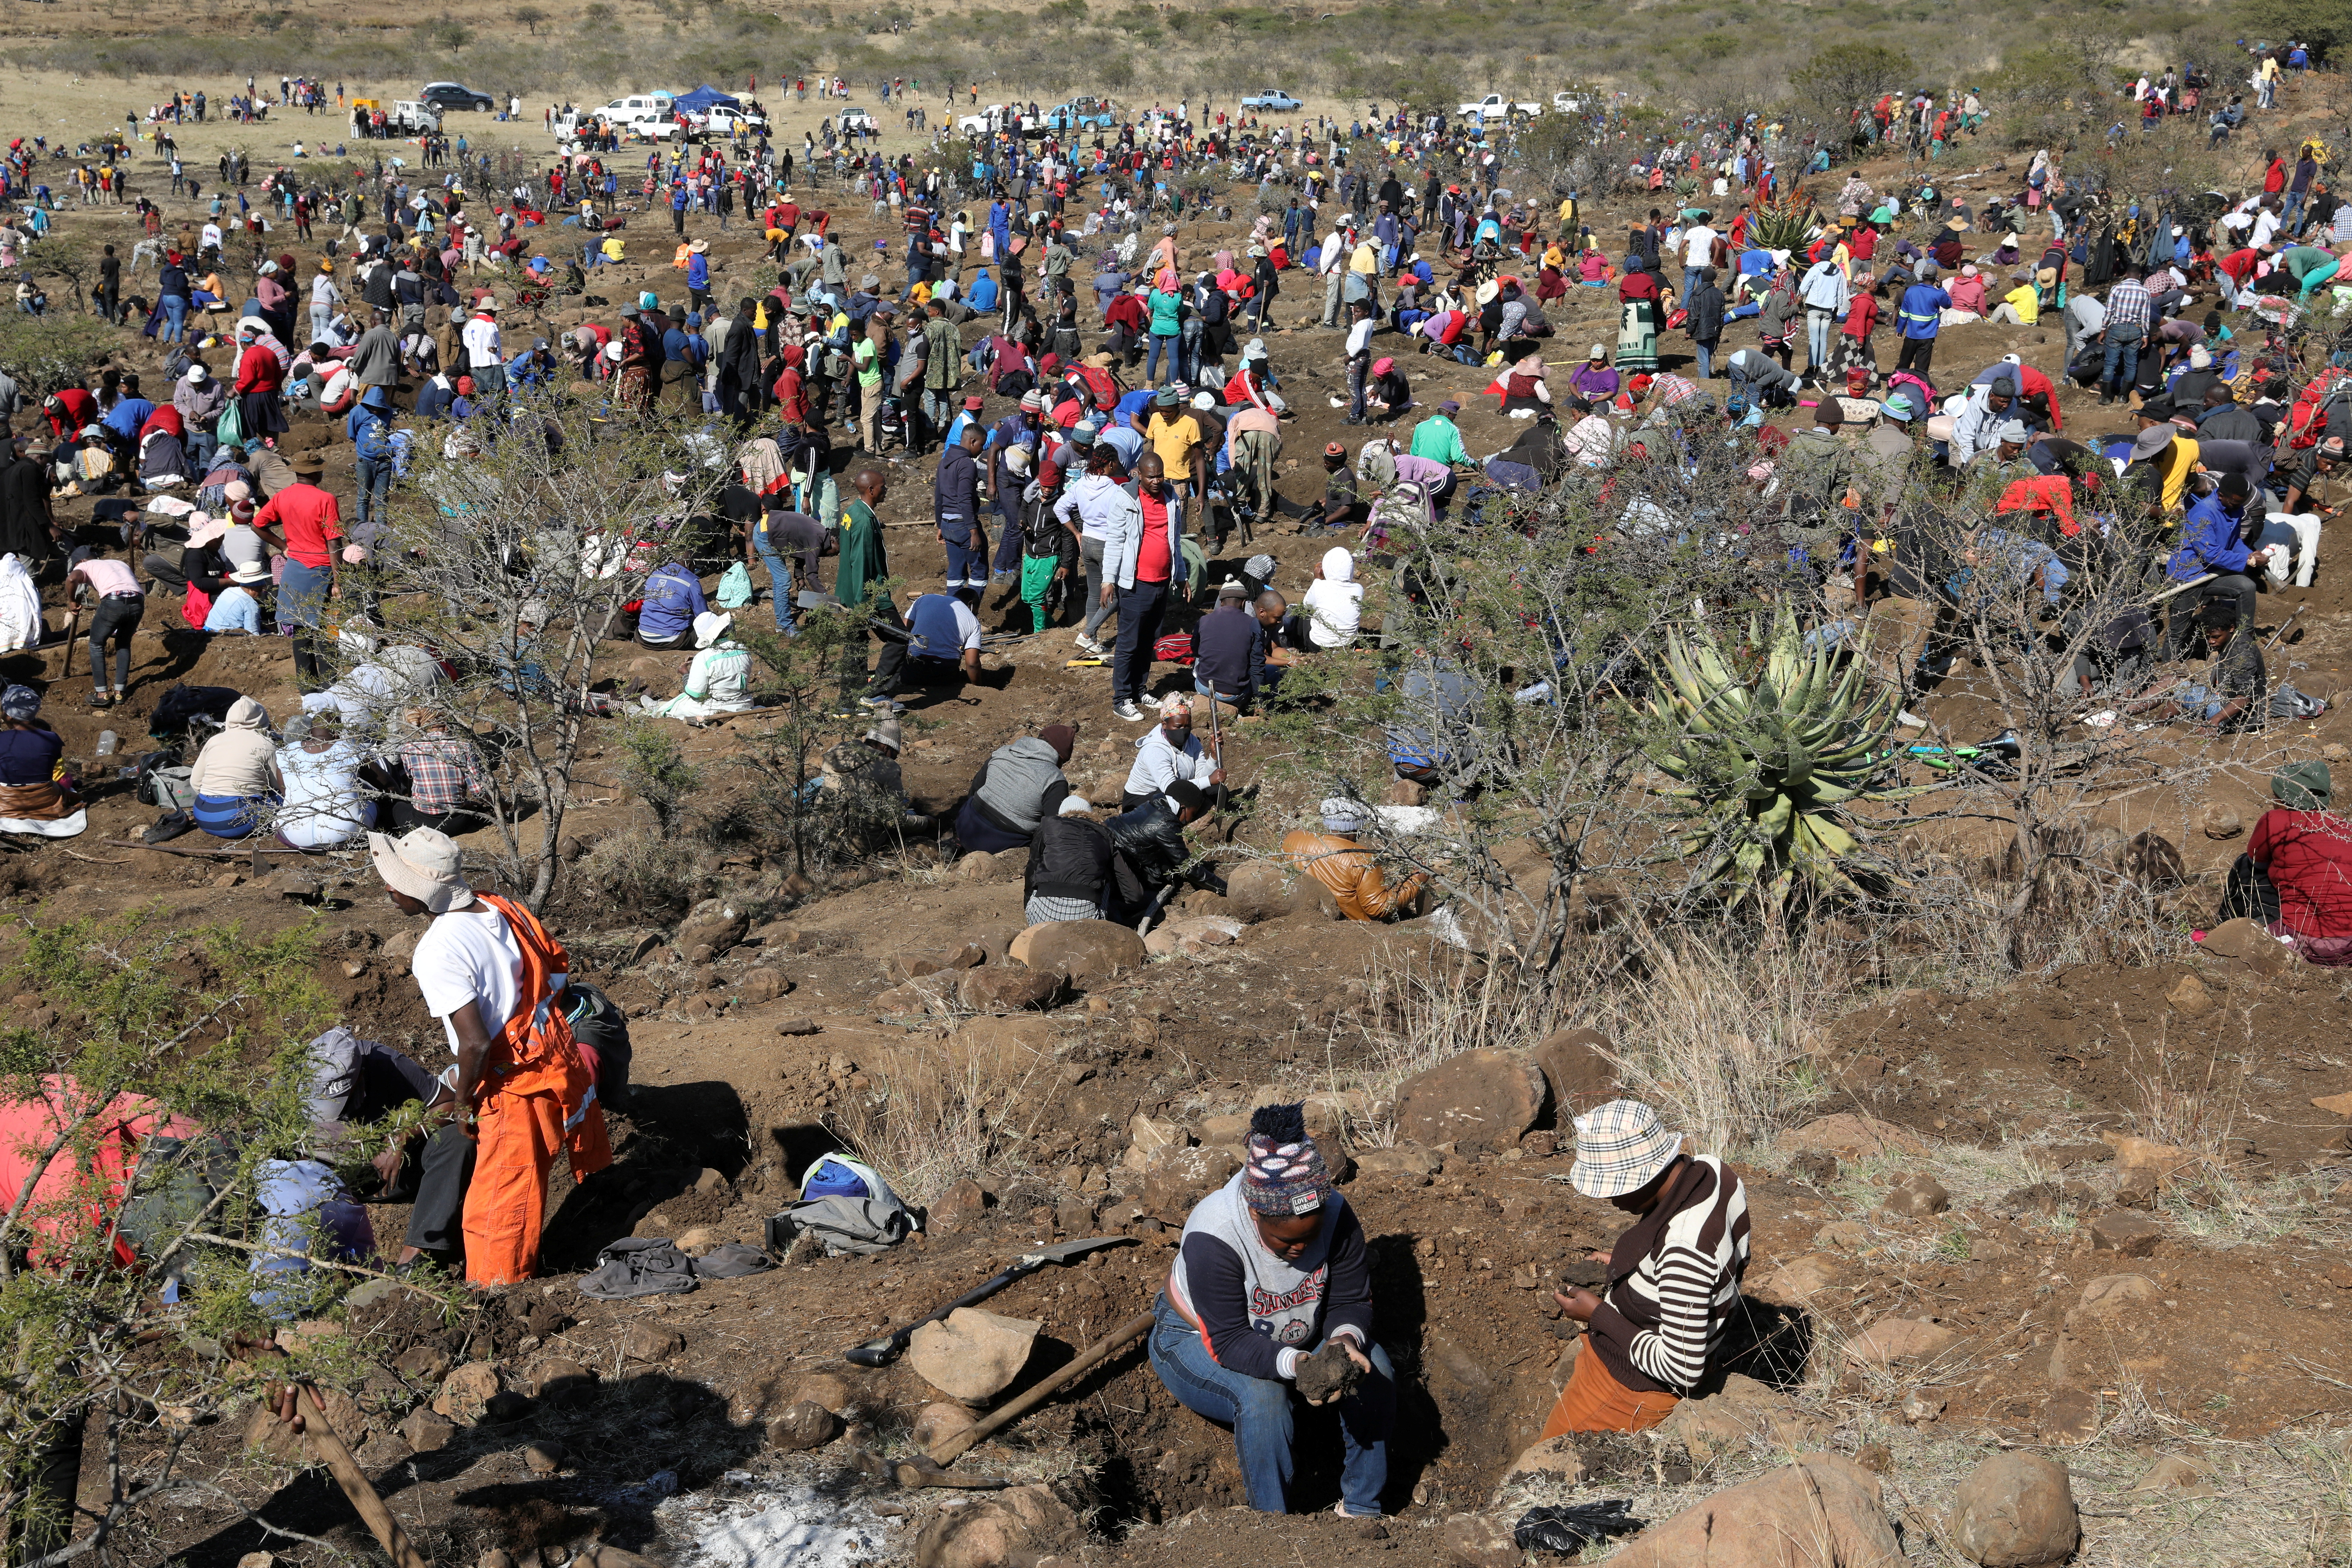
x=887 y=1349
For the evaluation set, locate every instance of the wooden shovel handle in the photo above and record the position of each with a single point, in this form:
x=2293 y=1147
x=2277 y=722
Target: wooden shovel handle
x=331 y=1451
x=948 y=1450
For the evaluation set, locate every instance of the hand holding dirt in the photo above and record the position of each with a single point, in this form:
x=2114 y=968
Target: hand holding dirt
x=1329 y=1373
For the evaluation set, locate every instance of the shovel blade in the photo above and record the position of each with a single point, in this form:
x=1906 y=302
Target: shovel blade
x=1063 y=1251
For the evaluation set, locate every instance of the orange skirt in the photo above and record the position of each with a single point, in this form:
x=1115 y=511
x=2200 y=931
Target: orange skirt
x=1595 y=1401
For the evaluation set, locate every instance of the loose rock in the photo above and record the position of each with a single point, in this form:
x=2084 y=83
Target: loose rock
x=974 y=1354
x=1825 y=1501
x=1326 y=1373
x=1008 y=990
x=1918 y=1198
x=1017 y=1526
x=803 y=1425
x=465 y=1392
x=935 y=1424
x=1480 y=1098
x=2016 y=1510
x=427 y=1431
x=1088 y=951
x=543 y=1457
x=1892 y=1340
x=714 y=923
x=1579 y=1076
x=2126 y=1232
x=652 y=1342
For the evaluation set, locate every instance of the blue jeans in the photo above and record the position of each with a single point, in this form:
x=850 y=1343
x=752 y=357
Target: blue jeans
x=2124 y=353
x=1160 y=345
x=1706 y=360
x=375 y=486
x=303 y=595
x=779 y=584
x=1260 y=1411
x=175 y=317
x=1140 y=609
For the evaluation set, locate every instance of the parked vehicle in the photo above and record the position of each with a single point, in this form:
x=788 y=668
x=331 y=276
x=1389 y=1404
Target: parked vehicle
x=1494 y=106
x=456 y=95
x=720 y=120
x=854 y=119
x=413 y=115
x=1082 y=114
x=1274 y=97
x=1566 y=103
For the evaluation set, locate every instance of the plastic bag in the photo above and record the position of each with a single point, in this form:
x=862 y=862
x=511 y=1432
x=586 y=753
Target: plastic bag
x=1567 y=1529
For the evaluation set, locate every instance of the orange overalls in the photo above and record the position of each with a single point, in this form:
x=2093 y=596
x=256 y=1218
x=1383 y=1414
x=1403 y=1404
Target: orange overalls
x=536 y=1095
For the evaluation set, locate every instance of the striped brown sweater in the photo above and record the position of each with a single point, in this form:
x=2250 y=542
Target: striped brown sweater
x=1673 y=1283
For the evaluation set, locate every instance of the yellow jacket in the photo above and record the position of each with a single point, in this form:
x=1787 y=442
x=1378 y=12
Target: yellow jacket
x=1341 y=865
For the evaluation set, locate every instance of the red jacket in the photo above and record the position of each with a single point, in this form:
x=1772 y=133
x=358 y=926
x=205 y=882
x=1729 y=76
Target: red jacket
x=258 y=370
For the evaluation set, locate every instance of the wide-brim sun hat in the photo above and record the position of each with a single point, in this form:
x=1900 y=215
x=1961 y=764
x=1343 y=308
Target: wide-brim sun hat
x=426 y=864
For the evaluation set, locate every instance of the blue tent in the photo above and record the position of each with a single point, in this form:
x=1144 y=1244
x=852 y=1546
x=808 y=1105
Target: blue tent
x=704 y=97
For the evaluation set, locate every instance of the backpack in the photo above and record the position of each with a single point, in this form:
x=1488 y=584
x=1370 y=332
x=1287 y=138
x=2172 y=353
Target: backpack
x=601 y=1030
x=1176 y=648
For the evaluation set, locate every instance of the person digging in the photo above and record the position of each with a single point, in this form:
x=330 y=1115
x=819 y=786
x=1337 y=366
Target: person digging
x=1271 y=1289
x=1656 y=1329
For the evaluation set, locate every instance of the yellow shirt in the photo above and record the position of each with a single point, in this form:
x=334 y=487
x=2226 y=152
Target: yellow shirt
x=1366 y=258
x=2027 y=300
x=612 y=247
x=2182 y=458
x=1175 y=440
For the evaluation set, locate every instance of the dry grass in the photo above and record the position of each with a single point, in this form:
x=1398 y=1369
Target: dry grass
x=933 y=1112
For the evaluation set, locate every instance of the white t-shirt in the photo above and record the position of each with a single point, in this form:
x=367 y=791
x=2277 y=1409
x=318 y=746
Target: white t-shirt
x=323 y=805
x=1698 y=246
x=1333 y=610
x=469 y=955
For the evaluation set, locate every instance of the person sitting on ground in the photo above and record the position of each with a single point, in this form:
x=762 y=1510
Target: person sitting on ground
x=1019 y=786
x=446 y=789
x=1168 y=751
x=235 y=778
x=237 y=607
x=1655 y=1332
x=1272 y=1268
x=2294 y=880
x=718 y=681
x=1336 y=859
x=2235 y=692
x=1340 y=506
x=670 y=602
x=1335 y=600
x=1228 y=649
x=870 y=762
x=1069 y=874
x=1153 y=858
x=32 y=798
x=329 y=785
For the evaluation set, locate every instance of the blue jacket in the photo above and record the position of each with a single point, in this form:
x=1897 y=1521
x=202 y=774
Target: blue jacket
x=982 y=292
x=125 y=417
x=2212 y=539
x=1920 y=311
x=698 y=271
x=673 y=597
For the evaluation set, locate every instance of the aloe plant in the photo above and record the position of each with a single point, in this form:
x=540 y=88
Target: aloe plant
x=1783 y=228
x=1771 y=744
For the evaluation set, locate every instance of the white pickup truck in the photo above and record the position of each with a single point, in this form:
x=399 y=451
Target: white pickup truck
x=1494 y=106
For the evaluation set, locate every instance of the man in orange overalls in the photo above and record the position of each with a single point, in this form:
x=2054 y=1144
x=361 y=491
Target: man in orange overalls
x=491 y=974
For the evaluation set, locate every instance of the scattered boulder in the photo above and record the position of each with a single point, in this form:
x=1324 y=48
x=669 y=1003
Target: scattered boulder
x=1191 y=934
x=2190 y=997
x=1010 y=990
x=1015 y=1527
x=714 y=923
x=1742 y=1409
x=465 y=1392
x=2125 y=1232
x=2175 y=1475
x=1796 y=1282
x=2113 y=1293
x=1410 y=1160
x=1922 y=1405
x=974 y=1354
x=1847 y=1234
x=2248 y=944
x=2160 y=1161
x=652 y=1342
x=560 y=1381
x=957 y=1207
x=1557 y=1457
x=935 y=1424
x=1145 y=1136
x=1825 y=1501
x=1892 y=1340
x=979 y=866
x=924 y=993
x=1851 y=1136
x=762 y=983
x=1482 y=1098
x=901 y=966
x=423 y=1362
x=803 y=1425
x=543 y=1457
x=1256 y=889
x=2221 y=822
x=1479 y=1541
x=828 y=1389
x=1579 y=1075
x=427 y=1431
x=1085 y=950
x=2016 y=1510
x=1918 y=1198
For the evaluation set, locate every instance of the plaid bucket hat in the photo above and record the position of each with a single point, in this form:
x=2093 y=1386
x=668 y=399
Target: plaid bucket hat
x=1620 y=1148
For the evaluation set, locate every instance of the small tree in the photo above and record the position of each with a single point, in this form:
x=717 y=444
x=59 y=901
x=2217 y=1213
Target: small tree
x=531 y=16
x=1843 y=77
x=43 y=352
x=515 y=547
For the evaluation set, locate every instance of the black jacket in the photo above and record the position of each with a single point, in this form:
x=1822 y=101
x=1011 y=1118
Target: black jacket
x=1706 y=308
x=1069 y=858
x=1152 y=851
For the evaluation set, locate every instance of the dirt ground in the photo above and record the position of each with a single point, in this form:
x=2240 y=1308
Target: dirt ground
x=2003 y=1099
